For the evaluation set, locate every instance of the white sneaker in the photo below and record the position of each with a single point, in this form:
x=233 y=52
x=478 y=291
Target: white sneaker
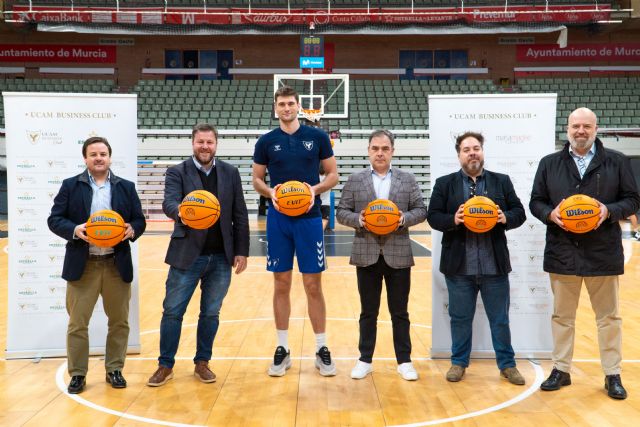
x=281 y=362
x=407 y=371
x=361 y=370
x=324 y=363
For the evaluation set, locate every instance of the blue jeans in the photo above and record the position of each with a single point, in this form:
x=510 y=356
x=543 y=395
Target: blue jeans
x=214 y=274
x=463 y=294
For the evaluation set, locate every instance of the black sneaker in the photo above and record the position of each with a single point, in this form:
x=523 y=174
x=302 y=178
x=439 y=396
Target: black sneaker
x=324 y=364
x=281 y=362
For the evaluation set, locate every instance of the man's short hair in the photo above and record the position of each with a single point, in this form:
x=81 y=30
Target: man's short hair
x=95 y=140
x=476 y=135
x=285 y=91
x=203 y=127
x=382 y=132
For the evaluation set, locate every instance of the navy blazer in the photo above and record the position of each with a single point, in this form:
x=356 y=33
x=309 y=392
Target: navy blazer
x=72 y=206
x=446 y=198
x=187 y=243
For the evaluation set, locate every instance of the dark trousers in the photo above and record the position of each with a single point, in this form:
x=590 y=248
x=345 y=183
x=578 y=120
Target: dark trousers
x=398 y=283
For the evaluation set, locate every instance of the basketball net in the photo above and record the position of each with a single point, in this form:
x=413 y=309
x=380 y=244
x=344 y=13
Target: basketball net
x=311 y=114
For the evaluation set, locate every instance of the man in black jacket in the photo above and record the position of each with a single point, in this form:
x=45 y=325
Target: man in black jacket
x=476 y=262
x=584 y=166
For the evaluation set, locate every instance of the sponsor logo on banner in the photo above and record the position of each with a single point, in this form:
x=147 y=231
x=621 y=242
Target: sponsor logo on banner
x=28 y=307
x=57 y=244
x=26 y=228
x=56 y=275
x=56 y=180
x=506 y=163
x=57 y=290
x=445 y=307
x=27 y=260
x=533 y=164
x=26 y=164
x=538 y=290
x=33 y=136
x=57 y=164
x=101 y=18
x=28 y=275
x=57 y=306
x=37 y=137
x=514 y=139
x=24 y=244
x=51 y=195
x=27 y=292
x=26 y=197
x=26 y=179
x=56 y=258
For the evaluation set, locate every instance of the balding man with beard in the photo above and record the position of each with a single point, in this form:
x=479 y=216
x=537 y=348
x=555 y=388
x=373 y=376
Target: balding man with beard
x=596 y=258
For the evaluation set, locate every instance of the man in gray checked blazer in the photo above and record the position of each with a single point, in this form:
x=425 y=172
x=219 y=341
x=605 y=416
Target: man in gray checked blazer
x=377 y=257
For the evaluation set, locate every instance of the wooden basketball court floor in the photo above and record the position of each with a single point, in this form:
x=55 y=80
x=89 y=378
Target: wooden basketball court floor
x=32 y=393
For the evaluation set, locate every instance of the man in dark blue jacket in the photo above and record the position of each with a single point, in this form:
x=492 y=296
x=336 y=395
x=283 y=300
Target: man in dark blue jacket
x=91 y=271
x=584 y=166
x=476 y=262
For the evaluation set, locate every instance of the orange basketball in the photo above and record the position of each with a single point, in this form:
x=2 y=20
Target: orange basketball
x=294 y=198
x=105 y=228
x=480 y=214
x=580 y=213
x=381 y=216
x=199 y=209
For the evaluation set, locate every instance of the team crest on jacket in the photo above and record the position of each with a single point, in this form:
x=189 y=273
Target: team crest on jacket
x=308 y=145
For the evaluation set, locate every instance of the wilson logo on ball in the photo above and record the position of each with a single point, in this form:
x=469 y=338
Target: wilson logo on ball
x=480 y=214
x=381 y=216
x=199 y=209
x=293 y=198
x=105 y=228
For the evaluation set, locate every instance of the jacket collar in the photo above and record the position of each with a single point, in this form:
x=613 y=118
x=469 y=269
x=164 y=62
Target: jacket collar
x=84 y=177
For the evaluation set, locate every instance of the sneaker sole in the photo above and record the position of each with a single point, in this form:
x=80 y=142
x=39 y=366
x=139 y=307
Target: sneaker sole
x=326 y=373
x=280 y=372
x=361 y=377
x=204 y=380
x=150 y=384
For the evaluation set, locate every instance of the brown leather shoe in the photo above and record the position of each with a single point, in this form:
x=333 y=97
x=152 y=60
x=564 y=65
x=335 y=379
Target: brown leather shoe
x=160 y=377
x=455 y=373
x=203 y=372
x=513 y=375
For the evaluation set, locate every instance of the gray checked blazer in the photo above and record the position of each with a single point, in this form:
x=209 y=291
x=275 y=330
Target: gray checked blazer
x=357 y=192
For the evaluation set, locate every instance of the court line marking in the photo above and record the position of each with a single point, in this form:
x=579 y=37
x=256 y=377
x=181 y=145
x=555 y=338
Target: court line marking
x=76 y=397
x=270 y=319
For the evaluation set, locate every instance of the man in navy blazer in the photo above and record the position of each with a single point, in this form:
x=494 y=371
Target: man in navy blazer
x=200 y=255
x=91 y=271
x=476 y=262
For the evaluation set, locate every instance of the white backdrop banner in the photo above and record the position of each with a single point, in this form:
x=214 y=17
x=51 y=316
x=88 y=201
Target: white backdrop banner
x=44 y=135
x=519 y=130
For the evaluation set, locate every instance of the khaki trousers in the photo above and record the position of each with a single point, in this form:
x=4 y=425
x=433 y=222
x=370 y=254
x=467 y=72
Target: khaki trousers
x=100 y=277
x=603 y=293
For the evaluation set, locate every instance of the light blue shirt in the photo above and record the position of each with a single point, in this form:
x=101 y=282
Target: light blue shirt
x=100 y=200
x=582 y=162
x=381 y=184
x=202 y=168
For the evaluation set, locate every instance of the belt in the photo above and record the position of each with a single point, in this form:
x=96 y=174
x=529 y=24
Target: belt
x=101 y=257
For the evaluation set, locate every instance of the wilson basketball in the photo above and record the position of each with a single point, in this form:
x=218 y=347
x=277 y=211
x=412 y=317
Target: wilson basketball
x=381 y=216
x=480 y=214
x=105 y=228
x=580 y=213
x=199 y=209
x=294 y=198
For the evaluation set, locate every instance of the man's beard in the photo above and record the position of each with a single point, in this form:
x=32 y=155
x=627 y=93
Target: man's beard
x=473 y=168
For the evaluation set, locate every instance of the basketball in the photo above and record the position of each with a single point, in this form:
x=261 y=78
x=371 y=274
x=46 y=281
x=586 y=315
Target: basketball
x=580 y=213
x=480 y=214
x=199 y=209
x=294 y=198
x=105 y=228
x=381 y=217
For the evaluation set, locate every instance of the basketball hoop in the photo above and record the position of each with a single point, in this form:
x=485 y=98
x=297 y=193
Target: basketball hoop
x=311 y=114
